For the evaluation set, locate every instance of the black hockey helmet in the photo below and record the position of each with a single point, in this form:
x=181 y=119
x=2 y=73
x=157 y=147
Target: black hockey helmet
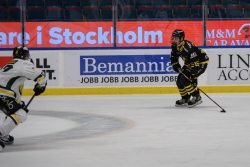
x=178 y=33
x=21 y=52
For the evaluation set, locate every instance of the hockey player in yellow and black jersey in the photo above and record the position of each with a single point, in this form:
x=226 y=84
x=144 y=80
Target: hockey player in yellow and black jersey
x=195 y=63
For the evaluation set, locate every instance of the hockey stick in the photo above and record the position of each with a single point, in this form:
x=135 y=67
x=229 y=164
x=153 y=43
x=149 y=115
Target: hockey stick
x=203 y=92
x=25 y=107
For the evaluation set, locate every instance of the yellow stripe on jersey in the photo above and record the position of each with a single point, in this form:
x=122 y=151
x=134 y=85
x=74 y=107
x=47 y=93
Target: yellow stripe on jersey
x=12 y=61
x=181 y=47
x=7 y=92
x=202 y=51
x=204 y=62
x=175 y=63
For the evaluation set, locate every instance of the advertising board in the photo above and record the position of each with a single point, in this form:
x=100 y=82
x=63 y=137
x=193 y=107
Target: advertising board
x=228 y=33
x=129 y=33
x=229 y=67
x=47 y=61
x=4 y=60
x=118 y=70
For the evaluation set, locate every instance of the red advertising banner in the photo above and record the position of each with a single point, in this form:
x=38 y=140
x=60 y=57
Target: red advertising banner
x=4 y=60
x=129 y=33
x=228 y=33
x=96 y=34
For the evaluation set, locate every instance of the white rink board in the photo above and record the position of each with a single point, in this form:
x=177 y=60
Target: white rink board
x=49 y=63
x=73 y=78
x=222 y=70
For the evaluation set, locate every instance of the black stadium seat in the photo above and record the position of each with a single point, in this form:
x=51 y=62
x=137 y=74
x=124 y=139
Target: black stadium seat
x=145 y=12
x=181 y=11
x=3 y=13
x=53 y=3
x=127 y=13
x=217 y=11
x=3 y=3
x=73 y=13
x=34 y=3
x=163 y=12
x=234 y=11
x=178 y=2
x=157 y=3
x=89 y=2
x=196 y=11
x=72 y=3
x=91 y=13
x=36 y=13
x=106 y=12
x=14 y=13
x=54 y=12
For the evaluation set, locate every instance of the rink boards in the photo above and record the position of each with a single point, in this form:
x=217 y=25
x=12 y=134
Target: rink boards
x=133 y=71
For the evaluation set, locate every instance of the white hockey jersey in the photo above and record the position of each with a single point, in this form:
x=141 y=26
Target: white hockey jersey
x=13 y=75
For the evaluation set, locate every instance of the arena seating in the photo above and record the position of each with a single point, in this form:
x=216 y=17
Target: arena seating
x=89 y=10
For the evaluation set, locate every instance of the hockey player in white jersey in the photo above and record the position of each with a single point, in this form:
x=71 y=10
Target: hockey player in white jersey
x=12 y=78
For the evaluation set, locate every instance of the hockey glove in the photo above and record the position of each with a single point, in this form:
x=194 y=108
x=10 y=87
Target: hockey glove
x=193 y=79
x=23 y=106
x=176 y=67
x=39 y=89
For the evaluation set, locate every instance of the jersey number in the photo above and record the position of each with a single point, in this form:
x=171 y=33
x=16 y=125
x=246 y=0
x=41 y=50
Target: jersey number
x=7 y=68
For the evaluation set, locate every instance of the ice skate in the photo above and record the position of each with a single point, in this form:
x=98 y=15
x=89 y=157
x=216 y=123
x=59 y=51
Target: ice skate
x=196 y=100
x=182 y=102
x=2 y=145
x=6 y=139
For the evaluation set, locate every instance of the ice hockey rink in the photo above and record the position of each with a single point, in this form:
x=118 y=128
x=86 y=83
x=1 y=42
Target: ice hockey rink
x=131 y=131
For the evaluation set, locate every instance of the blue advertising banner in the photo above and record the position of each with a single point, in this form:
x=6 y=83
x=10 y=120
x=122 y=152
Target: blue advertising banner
x=118 y=68
x=125 y=65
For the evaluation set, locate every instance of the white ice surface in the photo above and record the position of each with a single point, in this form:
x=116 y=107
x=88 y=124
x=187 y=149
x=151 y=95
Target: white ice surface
x=41 y=125
x=156 y=134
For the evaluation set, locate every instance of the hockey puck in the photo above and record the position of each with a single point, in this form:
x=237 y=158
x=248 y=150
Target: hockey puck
x=222 y=111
